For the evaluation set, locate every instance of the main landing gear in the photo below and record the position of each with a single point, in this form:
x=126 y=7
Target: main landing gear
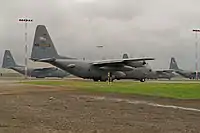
x=104 y=79
x=142 y=80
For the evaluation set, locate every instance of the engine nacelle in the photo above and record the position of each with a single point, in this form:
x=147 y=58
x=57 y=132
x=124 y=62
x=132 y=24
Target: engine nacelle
x=137 y=64
x=117 y=68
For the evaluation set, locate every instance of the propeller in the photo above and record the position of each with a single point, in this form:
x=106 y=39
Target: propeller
x=144 y=63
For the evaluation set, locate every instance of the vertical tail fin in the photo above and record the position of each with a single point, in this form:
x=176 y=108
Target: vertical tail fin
x=125 y=56
x=43 y=46
x=173 y=64
x=8 y=60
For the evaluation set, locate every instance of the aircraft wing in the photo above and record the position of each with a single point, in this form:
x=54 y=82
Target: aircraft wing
x=119 y=61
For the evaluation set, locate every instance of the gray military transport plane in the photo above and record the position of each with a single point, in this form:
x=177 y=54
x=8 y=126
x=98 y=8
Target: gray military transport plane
x=161 y=74
x=148 y=73
x=44 y=51
x=184 y=73
x=137 y=73
x=9 y=62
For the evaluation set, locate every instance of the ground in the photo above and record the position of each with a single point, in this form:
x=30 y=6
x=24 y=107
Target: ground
x=30 y=108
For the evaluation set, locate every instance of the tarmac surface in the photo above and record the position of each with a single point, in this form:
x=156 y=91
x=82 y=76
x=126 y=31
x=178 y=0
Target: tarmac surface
x=51 y=109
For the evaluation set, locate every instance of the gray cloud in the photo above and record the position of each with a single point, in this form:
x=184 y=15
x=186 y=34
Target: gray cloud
x=156 y=28
x=110 y=9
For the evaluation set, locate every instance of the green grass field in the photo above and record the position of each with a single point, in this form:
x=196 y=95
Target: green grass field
x=170 y=90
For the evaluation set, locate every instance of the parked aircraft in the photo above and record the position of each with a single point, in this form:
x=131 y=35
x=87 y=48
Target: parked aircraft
x=154 y=74
x=44 y=51
x=9 y=62
x=160 y=74
x=184 y=73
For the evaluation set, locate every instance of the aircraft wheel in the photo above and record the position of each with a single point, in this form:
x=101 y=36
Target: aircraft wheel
x=142 y=80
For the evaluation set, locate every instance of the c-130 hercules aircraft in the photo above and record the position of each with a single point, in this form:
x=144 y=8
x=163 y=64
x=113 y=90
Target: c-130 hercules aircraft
x=43 y=50
x=9 y=63
x=184 y=73
x=152 y=74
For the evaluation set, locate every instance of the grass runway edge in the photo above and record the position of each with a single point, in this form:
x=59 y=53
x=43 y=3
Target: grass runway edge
x=167 y=90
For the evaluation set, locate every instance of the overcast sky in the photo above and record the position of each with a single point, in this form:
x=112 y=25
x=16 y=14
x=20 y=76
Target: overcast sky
x=154 y=28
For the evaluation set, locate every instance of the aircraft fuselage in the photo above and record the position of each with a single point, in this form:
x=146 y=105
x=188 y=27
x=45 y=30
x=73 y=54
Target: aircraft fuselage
x=54 y=72
x=86 y=70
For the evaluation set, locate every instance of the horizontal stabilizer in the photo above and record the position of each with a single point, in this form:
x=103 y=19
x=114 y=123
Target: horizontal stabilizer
x=166 y=71
x=44 y=60
x=45 y=69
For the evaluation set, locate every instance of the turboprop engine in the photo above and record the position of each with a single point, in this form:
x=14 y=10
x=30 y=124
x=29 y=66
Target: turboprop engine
x=136 y=64
x=119 y=68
